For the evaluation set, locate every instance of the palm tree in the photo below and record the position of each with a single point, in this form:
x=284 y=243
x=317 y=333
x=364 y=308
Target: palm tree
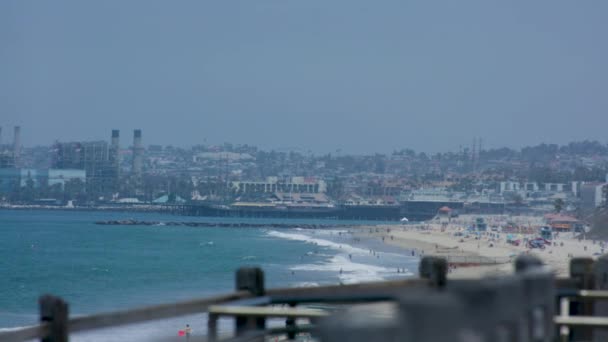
x=558 y=204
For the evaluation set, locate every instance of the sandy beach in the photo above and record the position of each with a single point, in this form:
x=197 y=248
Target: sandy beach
x=478 y=256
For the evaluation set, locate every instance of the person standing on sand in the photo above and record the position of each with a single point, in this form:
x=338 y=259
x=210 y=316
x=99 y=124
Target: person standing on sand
x=188 y=331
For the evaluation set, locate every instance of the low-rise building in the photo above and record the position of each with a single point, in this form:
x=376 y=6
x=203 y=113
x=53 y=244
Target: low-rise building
x=12 y=179
x=593 y=195
x=563 y=223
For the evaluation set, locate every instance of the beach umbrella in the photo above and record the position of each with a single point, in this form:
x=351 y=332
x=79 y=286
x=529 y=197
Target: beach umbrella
x=404 y=219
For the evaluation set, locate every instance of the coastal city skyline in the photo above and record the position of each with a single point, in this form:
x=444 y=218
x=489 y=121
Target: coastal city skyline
x=124 y=169
x=303 y=170
x=461 y=144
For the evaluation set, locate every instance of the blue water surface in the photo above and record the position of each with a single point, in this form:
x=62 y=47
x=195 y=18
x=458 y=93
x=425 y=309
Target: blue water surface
x=100 y=268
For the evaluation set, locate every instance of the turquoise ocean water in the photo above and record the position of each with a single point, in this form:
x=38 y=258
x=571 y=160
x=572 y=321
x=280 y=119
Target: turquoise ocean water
x=99 y=268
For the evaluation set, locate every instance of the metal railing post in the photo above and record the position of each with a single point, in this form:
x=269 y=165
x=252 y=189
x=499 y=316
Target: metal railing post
x=54 y=311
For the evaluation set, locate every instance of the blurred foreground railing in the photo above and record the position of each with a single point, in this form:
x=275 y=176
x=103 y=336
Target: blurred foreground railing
x=518 y=307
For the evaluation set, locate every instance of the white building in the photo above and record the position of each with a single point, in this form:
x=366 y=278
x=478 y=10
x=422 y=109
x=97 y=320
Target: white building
x=593 y=195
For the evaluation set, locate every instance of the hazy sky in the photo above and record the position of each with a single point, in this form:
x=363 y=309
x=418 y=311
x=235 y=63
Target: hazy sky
x=360 y=76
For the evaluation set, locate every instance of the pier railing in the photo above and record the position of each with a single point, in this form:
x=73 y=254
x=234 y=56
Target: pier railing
x=529 y=305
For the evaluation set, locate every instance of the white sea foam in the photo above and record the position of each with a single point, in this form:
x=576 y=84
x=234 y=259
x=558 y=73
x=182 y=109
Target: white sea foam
x=307 y=284
x=352 y=272
x=319 y=242
x=13 y=328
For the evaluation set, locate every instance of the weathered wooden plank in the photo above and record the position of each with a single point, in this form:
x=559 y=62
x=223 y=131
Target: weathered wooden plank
x=150 y=313
x=26 y=333
x=582 y=321
x=265 y=311
x=384 y=289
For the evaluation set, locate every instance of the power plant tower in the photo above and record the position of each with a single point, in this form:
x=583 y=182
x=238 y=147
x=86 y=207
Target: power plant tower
x=17 y=144
x=114 y=148
x=138 y=152
x=114 y=155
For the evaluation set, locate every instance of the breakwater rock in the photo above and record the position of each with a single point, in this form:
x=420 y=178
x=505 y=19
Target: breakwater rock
x=220 y=224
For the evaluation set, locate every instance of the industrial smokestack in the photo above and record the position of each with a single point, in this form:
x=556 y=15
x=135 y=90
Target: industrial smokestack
x=0 y=135
x=115 y=149
x=115 y=136
x=137 y=152
x=17 y=143
x=114 y=159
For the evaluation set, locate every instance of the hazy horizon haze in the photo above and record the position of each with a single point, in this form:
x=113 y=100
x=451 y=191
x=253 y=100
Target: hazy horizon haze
x=354 y=76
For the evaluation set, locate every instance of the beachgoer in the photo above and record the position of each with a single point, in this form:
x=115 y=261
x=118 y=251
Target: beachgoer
x=188 y=331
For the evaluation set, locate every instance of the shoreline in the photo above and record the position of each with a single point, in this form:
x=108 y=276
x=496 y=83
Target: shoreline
x=463 y=264
x=489 y=255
